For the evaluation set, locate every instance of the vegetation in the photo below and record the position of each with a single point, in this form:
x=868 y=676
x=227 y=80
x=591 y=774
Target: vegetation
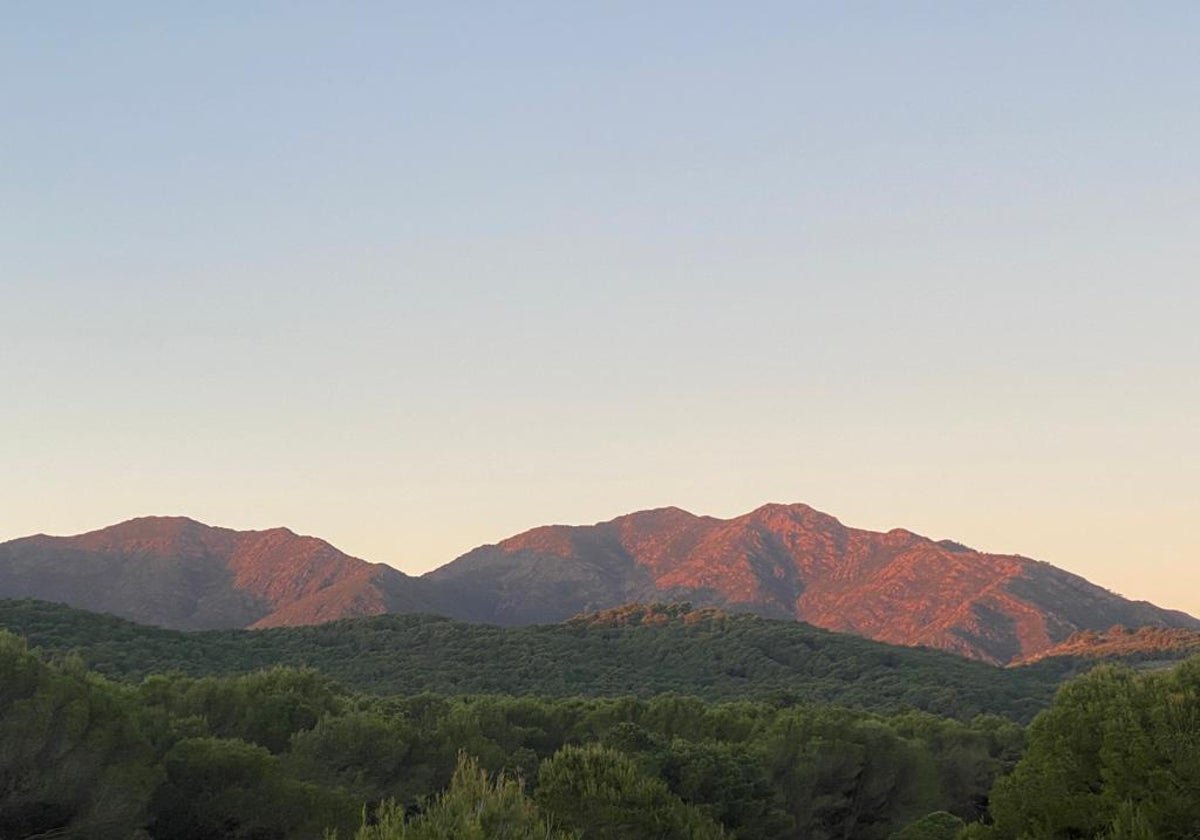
x=1145 y=646
x=1117 y=756
x=639 y=651
x=288 y=753
x=476 y=806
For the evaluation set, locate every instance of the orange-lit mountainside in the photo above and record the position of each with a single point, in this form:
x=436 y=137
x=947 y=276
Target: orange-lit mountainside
x=1152 y=644
x=793 y=561
x=174 y=572
x=783 y=561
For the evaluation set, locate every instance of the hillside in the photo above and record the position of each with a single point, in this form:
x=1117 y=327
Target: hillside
x=635 y=651
x=1141 y=646
x=791 y=561
x=175 y=572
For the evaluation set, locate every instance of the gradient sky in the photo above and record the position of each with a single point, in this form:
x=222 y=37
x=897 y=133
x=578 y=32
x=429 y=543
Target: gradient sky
x=415 y=277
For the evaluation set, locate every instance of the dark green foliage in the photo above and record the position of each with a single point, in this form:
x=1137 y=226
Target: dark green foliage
x=702 y=653
x=967 y=758
x=282 y=753
x=74 y=762
x=264 y=707
x=603 y=795
x=729 y=783
x=366 y=753
x=475 y=806
x=225 y=788
x=939 y=825
x=1117 y=755
x=847 y=776
x=285 y=753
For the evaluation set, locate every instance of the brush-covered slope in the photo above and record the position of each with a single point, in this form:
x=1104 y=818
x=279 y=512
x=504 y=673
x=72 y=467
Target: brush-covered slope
x=634 y=650
x=791 y=561
x=175 y=572
x=1143 y=646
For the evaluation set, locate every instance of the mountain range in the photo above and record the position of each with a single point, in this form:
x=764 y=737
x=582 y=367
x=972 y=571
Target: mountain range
x=778 y=561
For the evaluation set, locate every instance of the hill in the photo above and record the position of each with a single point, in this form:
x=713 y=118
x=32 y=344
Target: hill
x=175 y=572
x=1143 y=646
x=639 y=651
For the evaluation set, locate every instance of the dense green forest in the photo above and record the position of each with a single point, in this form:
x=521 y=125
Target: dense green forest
x=418 y=727
x=287 y=753
x=638 y=651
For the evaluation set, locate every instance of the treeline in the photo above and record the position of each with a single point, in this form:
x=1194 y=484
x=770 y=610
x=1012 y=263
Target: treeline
x=286 y=753
x=640 y=651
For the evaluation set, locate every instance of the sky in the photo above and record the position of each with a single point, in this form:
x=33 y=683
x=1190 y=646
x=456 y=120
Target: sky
x=414 y=277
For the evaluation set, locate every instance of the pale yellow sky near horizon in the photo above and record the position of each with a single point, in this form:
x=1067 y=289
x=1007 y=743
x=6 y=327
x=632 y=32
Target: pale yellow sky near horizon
x=1108 y=520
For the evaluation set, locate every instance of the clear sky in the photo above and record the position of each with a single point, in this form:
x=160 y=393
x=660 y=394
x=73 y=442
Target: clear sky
x=417 y=276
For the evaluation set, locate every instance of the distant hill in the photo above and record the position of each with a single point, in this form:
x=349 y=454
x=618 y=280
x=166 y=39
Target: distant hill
x=1143 y=645
x=791 y=561
x=779 y=561
x=632 y=651
x=175 y=572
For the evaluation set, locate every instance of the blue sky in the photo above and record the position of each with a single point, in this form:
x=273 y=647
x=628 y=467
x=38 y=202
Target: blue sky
x=416 y=277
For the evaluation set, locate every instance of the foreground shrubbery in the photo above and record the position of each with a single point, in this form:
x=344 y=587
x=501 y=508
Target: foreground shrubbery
x=1116 y=757
x=282 y=753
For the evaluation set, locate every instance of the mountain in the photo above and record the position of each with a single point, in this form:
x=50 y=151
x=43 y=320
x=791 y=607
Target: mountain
x=779 y=561
x=175 y=572
x=791 y=561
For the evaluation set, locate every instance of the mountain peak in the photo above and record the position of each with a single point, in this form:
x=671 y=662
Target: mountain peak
x=670 y=514
x=152 y=535
x=797 y=512
x=153 y=525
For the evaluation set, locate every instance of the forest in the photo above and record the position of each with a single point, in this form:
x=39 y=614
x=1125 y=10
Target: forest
x=638 y=650
x=285 y=752
x=288 y=753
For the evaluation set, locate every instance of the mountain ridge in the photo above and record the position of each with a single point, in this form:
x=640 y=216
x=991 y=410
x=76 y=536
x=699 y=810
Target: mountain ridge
x=797 y=562
x=778 y=560
x=177 y=572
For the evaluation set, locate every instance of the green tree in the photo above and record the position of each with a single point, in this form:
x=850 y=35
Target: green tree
x=602 y=794
x=73 y=760
x=940 y=825
x=367 y=753
x=476 y=806
x=264 y=707
x=1118 y=755
x=729 y=783
x=228 y=789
